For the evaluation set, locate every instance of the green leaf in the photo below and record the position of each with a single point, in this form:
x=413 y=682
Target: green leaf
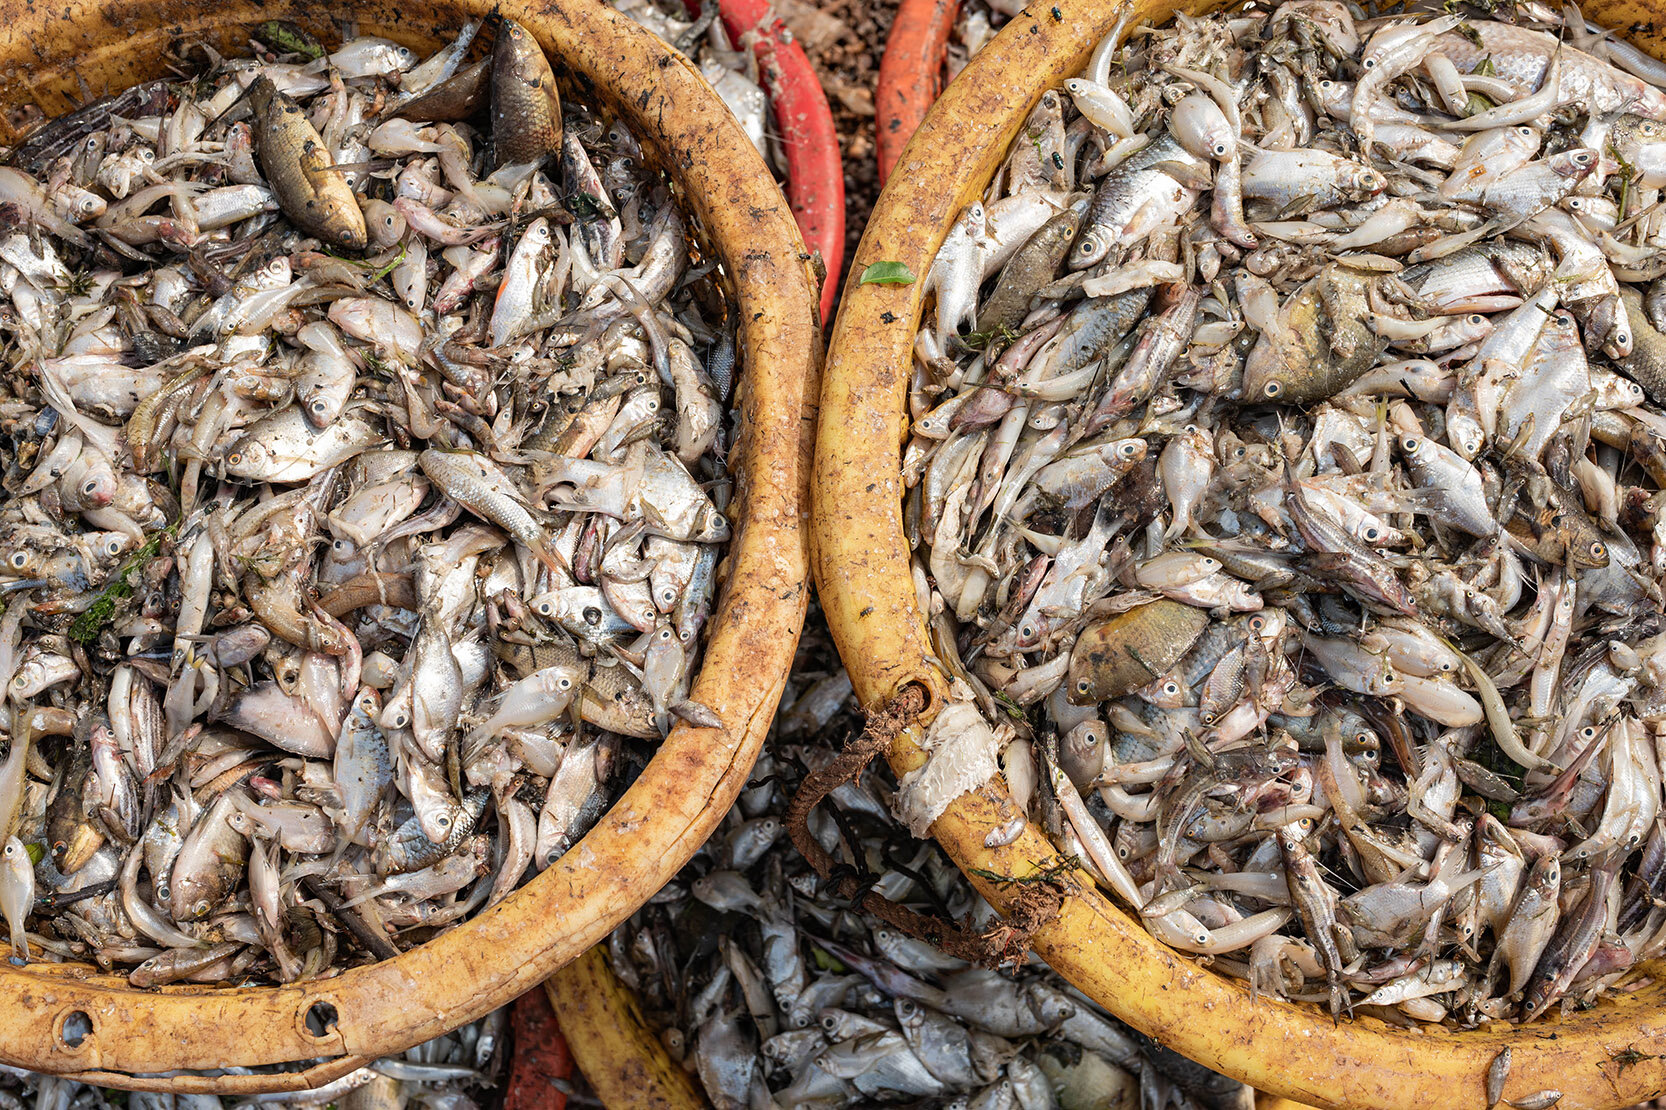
x=92 y=620
x=826 y=961
x=1012 y=708
x=286 y=38
x=389 y=268
x=887 y=273
x=36 y=852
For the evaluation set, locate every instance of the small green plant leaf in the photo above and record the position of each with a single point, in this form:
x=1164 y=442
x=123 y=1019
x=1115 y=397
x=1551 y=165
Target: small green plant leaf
x=887 y=273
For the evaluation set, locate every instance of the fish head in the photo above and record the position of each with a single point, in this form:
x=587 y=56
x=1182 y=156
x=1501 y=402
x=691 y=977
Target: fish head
x=710 y=526
x=1092 y=245
x=1576 y=164
x=262 y=93
x=1266 y=372
x=248 y=458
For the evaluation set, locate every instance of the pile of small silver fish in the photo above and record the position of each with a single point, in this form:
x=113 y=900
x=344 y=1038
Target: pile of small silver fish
x=1286 y=474
x=777 y=996
x=365 y=497
x=451 y=1072
x=732 y=72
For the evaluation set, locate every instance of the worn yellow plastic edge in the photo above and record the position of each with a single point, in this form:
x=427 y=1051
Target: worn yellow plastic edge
x=621 y=1059
x=863 y=575
x=51 y=51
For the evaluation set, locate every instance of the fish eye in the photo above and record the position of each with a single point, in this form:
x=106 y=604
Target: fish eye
x=442 y=822
x=545 y=608
x=1257 y=623
x=1171 y=688
x=201 y=909
x=112 y=546
x=565 y=684
x=319 y=405
x=1129 y=450
x=1083 y=686
x=235 y=458
x=1273 y=388
x=1410 y=445
x=1370 y=63
x=1599 y=549
x=387 y=221
x=1525 y=132
x=1477 y=319
x=92 y=142
x=19 y=560
x=1241 y=452
x=1372 y=534
x=592 y=615
x=400 y=720
x=1583 y=158
x=1026 y=630
x=1219 y=150
x=1589 y=732
x=90 y=486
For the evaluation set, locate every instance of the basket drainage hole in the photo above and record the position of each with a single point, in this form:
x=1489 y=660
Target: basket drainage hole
x=321 y=1018
x=77 y=1027
x=922 y=692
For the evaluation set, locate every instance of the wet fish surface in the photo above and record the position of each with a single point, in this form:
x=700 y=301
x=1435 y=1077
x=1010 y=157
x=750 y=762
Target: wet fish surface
x=365 y=503
x=1293 y=498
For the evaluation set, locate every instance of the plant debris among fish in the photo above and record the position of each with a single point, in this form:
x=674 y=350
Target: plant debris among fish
x=1288 y=442
x=365 y=497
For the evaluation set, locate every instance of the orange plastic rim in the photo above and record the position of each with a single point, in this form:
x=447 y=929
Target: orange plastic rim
x=867 y=590
x=51 y=51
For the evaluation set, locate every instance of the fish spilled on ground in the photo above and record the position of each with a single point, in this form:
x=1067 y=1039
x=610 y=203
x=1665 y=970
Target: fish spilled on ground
x=365 y=497
x=777 y=995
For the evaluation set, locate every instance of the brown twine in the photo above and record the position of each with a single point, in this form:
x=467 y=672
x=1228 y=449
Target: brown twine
x=1006 y=943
